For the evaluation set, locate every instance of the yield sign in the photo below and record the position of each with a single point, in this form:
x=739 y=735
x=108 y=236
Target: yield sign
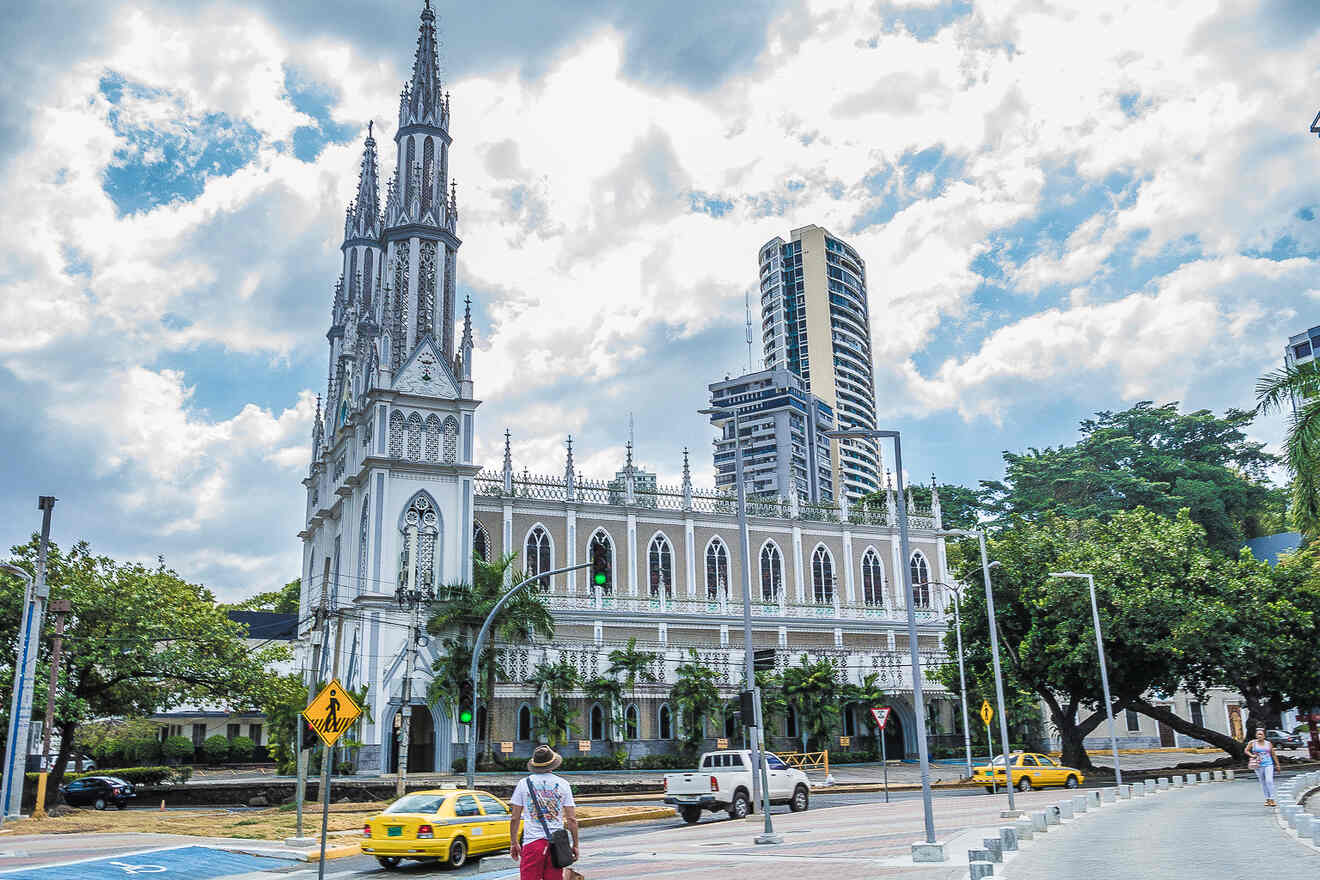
x=880 y=715
x=332 y=712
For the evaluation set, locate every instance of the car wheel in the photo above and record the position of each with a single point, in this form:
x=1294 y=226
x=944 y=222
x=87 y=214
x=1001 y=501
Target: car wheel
x=99 y=803
x=458 y=852
x=1024 y=784
x=691 y=815
x=989 y=789
x=801 y=799
x=741 y=806
x=1071 y=782
x=389 y=863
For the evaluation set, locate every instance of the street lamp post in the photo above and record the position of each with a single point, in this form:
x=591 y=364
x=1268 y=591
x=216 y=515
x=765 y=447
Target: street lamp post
x=1104 y=673
x=986 y=565
x=962 y=675
x=918 y=703
x=760 y=777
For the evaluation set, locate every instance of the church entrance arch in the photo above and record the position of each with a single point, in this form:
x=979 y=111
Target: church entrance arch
x=428 y=740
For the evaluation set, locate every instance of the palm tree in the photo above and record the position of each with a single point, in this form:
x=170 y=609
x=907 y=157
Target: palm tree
x=810 y=689
x=554 y=721
x=464 y=607
x=696 y=696
x=609 y=692
x=635 y=666
x=868 y=695
x=1300 y=382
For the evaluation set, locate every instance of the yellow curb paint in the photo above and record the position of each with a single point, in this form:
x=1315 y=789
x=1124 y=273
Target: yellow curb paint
x=336 y=852
x=640 y=816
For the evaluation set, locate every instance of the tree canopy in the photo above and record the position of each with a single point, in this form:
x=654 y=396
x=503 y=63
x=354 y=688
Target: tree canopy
x=282 y=601
x=1299 y=385
x=139 y=640
x=1146 y=456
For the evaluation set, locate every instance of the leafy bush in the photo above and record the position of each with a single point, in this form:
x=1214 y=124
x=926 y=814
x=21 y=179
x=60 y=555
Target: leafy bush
x=661 y=762
x=592 y=762
x=216 y=748
x=135 y=775
x=176 y=748
x=241 y=749
x=345 y=768
x=145 y=751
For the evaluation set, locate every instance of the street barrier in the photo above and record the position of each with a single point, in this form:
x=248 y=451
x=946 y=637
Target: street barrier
x=807 y=760
x=1008 y=838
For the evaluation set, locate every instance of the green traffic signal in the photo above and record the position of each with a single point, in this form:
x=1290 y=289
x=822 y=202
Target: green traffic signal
x=600 y=578
x=465 y=717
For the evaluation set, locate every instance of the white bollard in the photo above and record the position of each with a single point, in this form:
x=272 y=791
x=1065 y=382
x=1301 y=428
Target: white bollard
x=1108 y=795
x=1079 y=803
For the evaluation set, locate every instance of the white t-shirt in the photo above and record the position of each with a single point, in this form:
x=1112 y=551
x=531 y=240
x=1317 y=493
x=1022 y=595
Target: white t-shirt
x=553 y=793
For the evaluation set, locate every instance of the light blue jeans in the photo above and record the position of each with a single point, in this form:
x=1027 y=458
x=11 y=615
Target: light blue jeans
x=1265 y=773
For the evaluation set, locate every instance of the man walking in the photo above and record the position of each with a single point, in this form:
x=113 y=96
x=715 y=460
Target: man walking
x=547 y=800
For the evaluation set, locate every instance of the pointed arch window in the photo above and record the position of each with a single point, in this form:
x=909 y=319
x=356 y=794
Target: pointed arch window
x=790 y=722
x=772 y=572
x=409 y=175
x=451 y=440
x=661 y=557
x=396 y=434
x=414 y=437
x=480 y=541
x=631 y=728
x=600 y=542
x=538 y=556
x=822 y=576
x=432 y=437
x=362 y=546
x=366 y=277
x=524 y=722
x=873 y=578
x=428 y=163
x=597 y=722
x=920 y=580
x=421 y=533
x=717 y=569
x=666 y=722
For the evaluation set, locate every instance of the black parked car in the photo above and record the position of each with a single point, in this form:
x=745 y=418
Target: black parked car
x=98 y=792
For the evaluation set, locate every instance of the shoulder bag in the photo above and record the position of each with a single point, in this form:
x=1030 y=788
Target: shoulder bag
x=561 y=847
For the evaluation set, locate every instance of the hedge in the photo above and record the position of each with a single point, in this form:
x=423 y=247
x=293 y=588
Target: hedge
x=135 y=775
x=216 y=748
x=241 y=749
x=177 y=748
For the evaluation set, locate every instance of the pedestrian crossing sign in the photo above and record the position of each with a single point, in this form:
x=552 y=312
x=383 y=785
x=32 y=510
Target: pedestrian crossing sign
x=332 y=712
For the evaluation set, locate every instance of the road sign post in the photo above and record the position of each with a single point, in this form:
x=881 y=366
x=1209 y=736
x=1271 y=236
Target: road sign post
x=331 y=713
x=987 y=715
x=881 y=716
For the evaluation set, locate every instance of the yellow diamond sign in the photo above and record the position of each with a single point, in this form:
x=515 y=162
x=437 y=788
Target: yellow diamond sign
x=332 y=712
x=986 y=712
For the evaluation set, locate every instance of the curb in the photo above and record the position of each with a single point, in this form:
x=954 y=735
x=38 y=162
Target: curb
x=641 y=816
x=332 y=852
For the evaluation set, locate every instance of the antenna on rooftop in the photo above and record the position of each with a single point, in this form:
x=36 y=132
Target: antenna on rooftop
x=747 y=308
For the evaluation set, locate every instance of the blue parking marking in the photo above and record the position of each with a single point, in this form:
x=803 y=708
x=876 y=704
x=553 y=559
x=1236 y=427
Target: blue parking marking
x=190 y=862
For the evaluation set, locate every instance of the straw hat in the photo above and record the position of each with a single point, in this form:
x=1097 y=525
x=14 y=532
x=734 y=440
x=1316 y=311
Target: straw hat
x=544 y=759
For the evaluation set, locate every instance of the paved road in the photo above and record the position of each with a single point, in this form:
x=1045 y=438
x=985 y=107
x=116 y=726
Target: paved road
x=1219 y=830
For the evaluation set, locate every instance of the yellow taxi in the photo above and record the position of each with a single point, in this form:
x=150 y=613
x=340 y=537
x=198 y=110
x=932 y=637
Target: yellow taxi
x=1030 y=770
x=437 y=825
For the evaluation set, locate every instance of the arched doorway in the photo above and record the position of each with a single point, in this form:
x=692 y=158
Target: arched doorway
x=895 y=741
x=421 y=741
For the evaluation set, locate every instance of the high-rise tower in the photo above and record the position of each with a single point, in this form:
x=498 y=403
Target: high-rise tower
x=815 y=322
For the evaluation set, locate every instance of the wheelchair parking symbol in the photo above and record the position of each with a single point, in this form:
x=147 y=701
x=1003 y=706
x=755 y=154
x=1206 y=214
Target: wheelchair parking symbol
x=140 y=869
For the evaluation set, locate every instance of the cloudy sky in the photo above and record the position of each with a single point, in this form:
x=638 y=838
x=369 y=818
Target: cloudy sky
x=1064 y=206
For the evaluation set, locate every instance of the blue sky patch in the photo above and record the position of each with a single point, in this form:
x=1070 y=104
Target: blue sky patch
x=161 y=163
x=924 y=24
x=314 y=99
x=704 y=203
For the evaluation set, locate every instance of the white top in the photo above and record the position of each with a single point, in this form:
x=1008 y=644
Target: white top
x=554 y=794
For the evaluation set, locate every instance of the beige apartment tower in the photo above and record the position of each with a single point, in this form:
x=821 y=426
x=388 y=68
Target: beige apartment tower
x=815 y=322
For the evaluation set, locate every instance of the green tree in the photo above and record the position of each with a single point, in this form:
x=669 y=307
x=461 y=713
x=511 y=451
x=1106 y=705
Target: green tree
x=463 y=608
x=552 y=718
x=866 y=696
x=140 y=640
x=216 y=749
x=1301 y=446
x=609 y=693
x=811 y=690
x=696 y=697
x=285 y=698
x=281 y=601
x=1147 y=456
x=1153 y=583
x=635 y=666
x=773 y=705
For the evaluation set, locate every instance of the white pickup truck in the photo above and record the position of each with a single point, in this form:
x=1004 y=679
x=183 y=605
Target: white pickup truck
x=723 y=782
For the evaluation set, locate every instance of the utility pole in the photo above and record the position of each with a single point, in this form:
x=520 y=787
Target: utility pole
x=405 y=726
x=328 y=752
x=304 y=755
x=25 y=673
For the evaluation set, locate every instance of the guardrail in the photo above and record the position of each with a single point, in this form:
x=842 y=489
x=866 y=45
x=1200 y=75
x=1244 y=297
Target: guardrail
x=807 y=760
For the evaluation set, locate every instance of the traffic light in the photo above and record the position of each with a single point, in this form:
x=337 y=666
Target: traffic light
x=600 y=569
x=307 y=737
x=466 y=712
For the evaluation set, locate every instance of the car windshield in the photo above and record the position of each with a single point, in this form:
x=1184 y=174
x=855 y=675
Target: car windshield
x=774 y=763
x=114 y=780
x=998 y=761
x=417 y=803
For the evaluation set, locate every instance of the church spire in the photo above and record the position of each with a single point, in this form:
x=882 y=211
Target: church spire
x=424 y=100
x=365 y=210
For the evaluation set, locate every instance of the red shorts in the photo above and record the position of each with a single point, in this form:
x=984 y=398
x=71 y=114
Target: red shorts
x=535 y=862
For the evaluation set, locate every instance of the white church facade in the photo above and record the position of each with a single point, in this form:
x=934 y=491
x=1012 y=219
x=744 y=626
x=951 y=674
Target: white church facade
x=396 y=503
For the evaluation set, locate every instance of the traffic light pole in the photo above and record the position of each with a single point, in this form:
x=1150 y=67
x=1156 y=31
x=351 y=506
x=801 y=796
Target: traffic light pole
x=471 y=767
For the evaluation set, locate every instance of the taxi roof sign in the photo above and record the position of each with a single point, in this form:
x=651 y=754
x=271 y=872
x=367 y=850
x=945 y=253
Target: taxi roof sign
x=332 y=712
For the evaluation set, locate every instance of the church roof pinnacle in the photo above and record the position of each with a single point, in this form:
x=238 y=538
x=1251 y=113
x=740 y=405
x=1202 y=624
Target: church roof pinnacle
x=364 y=219
x=424 y=100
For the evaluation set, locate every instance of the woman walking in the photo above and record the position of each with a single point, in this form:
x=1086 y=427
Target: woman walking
x=1261 y=759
